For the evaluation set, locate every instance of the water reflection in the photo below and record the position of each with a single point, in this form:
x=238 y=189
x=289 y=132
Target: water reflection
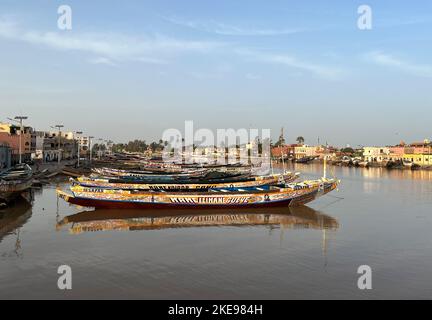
x=11 y=221
x=366 y=173
x=105 y=220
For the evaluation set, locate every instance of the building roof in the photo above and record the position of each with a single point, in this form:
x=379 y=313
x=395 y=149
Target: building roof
x=419 y=144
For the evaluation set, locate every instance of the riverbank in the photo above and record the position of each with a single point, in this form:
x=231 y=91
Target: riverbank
x=361 y=164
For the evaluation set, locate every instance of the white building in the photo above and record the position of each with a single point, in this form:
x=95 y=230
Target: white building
x=376 y=154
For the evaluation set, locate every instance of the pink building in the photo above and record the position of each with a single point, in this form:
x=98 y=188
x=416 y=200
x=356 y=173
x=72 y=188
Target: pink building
x=418 y=148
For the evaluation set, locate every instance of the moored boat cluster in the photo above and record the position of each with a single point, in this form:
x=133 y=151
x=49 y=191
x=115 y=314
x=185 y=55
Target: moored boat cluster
x=161 y=185
x=14 y=181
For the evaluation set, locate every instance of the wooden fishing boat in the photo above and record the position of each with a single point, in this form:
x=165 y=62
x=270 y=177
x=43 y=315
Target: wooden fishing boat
x=409 y=164
x=292 y=194
x=305 y=159
x=364 y=164
x=168 y=173
x=356 y=161
x=347 y=161
x=15 y=181
x=247 y=183
x=174 y=180
x=110 y=172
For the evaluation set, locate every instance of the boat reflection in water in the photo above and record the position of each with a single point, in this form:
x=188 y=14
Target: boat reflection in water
x=128 y=220
x=12 y=219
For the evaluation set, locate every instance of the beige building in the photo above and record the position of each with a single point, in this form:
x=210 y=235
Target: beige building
x=307 y=151
x=376 y=154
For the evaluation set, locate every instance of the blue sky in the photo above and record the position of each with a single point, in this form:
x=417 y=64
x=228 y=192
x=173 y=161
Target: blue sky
x=130 y=70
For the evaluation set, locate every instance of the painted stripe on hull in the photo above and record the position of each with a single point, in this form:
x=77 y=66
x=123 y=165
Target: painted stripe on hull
x=108 y=204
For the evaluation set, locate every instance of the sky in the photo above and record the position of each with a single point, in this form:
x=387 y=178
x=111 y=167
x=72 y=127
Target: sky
x=132 y=69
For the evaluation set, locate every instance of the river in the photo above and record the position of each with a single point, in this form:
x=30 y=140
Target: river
x=380 y=218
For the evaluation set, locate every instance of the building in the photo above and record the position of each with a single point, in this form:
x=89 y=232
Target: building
x=418 y=147
x=84 y=146
x=45 y=147
x=327 y=153
x=5 y=156
x=39 y=145
x=417 y=152
x=424 y=160
x=307 y=151
x=376 y=154
x=287 y=150
x=65 y=142
x=396 y=153
x=12 y=136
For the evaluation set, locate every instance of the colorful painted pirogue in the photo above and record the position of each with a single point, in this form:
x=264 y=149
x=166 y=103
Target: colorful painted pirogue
x=231 y=184
x=166 y=176
x=145 y=174
x=292 y=194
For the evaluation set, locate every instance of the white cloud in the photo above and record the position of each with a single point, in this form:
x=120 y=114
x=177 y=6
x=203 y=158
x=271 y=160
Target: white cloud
x=119 y=47
x=102 y=60
x=398 y=64
x=113 y=48
x=332 y=73
x=231 y=30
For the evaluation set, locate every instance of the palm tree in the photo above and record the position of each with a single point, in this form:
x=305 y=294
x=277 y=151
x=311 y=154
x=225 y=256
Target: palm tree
x=300 y=140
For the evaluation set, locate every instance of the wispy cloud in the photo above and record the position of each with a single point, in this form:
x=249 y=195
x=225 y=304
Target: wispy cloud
x=111 y=46
x=390 y=61
x=231 y=30
x=321 y=71
x=102 y=60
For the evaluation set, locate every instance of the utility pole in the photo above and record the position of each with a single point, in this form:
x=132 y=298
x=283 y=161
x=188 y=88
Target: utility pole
x=59 y=126
x=20 y=119
x=78 y=133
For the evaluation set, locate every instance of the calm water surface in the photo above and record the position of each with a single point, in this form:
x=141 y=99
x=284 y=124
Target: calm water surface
x=379 y=218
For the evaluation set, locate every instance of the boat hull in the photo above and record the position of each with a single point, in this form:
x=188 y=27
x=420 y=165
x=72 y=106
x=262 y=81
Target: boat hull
x=9 y=192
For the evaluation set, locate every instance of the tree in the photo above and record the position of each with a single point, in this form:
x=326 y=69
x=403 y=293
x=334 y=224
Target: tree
x=300 y=140
x=348 y=150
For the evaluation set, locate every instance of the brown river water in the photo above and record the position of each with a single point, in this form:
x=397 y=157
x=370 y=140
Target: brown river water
x=379 y=218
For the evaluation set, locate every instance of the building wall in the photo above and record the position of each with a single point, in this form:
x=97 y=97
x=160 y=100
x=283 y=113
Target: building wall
x=13 y=141
x=39 y=145
x=287 y=150
x=417 y=150
x=5 y=157
x=420 y=159
x=84 y=146
x=306 y=151
x=376 y=154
